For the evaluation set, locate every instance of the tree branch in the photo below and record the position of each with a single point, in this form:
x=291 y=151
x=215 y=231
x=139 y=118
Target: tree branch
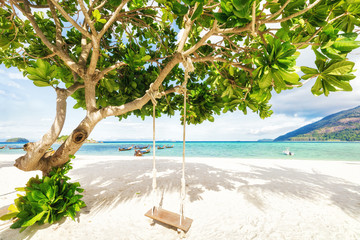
x=188 y=24
x=59 y=39
x=67 y=17
x=74 y=88
x=278 y=12
x=87 y=18
x=94 y=56
x=35 y=151
x=234 y=30
x=218 y=59
x=58 y=51
x=112 y=19
x=295 y=14
x=108 y=69
x=140 y=102
x=202 y=40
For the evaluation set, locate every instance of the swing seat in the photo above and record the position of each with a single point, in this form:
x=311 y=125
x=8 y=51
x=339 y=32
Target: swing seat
x=170 y=218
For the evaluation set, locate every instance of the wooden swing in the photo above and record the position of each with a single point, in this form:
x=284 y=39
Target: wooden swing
x=178 y=221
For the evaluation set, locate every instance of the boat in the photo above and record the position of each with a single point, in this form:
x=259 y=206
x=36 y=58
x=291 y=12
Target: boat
x=141 y=147
x=145 y=151
x=160 y=147
x=16 y=147
x=125 y=149
x=2 y=147
x=287 y=152
x=140 y=152
x=169 y=146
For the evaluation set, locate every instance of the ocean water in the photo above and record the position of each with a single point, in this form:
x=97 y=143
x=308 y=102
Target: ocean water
x=348 y=151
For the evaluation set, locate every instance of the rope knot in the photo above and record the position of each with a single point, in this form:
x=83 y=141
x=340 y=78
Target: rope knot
x=154 y=94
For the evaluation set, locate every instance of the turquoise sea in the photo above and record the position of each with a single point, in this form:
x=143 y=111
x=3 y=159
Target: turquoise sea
x=348 y=151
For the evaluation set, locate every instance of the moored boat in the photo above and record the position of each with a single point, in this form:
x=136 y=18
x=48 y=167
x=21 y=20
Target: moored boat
x=169 y=146
x=140 y=152
x=16 y=147
x=125 y=148
x=287 y=152
x=141 y=147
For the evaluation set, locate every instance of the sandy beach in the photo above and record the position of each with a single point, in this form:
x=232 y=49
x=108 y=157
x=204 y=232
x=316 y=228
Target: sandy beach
x=226 y=198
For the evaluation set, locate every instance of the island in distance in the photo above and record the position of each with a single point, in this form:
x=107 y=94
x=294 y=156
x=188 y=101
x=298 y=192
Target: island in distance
x=341 y=126
x=17 y=140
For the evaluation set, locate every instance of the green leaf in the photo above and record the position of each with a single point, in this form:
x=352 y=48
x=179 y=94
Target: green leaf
x=308 y=70
x=96 y=14
x=316 y=88
x=346 y=45
x=221 y=17
x=345 y=77
x=8 y=216
x=231 y=70
x=339 y=68
x=345 y=86
x=17 y=224
x=307 y=76
x=266 y=80
x=107 y=84
x=146 y=58
x=33 y=220
x=197 y=12
x=36 y=78
x=289 y=77
x=179 y=9
x=41 y=84
x=238 y=4
x=37 y=195
x=279 y=82
x=20 y=189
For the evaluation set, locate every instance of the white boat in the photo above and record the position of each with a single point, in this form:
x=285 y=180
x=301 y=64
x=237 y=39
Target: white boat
x=287 y=152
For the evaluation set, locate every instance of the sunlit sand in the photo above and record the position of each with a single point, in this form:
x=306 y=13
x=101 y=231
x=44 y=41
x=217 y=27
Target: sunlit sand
x=226 y=198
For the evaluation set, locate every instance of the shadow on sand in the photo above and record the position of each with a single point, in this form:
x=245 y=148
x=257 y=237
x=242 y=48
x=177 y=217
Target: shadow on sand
x=107 y=184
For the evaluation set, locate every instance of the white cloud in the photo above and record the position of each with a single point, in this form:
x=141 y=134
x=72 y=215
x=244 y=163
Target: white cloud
x=46 y=119
x=17 y=76
x=13 y=84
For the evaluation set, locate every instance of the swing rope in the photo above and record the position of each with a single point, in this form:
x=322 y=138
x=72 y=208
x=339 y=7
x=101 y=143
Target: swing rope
x=188 y=68
x=187 y=63
x=153 y=95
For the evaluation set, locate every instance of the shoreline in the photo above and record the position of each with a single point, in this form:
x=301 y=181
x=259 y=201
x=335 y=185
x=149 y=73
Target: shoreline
x=228 y=198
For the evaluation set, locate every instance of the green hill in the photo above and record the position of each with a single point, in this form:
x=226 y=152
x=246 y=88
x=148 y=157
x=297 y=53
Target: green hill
x=341 y=126
x=22 y=140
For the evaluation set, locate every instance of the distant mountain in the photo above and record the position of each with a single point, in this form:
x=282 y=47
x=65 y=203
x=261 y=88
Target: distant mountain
x=20 y=140
x=341 y=126
x=265 y=140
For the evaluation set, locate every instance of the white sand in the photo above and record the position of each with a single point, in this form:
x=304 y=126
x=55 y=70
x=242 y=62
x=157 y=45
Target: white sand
x=227 y=198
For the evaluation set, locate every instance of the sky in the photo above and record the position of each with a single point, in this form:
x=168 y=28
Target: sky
x=28 y=111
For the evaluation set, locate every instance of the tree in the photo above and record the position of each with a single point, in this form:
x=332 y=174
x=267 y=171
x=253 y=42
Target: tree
x=113 y=56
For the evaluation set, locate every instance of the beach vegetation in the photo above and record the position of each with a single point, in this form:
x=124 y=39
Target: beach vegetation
x=46 y=200
x=113 y=57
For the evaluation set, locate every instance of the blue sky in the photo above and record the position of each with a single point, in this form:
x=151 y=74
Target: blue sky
x=28 y=111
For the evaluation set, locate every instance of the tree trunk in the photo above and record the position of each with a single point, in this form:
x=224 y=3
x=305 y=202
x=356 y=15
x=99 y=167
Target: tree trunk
x=37 y=150
x=72 y=144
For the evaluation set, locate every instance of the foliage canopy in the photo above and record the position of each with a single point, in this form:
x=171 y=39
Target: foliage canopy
x=241 y=50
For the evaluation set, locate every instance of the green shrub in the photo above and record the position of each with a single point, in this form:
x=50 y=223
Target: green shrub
x=46 y=200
